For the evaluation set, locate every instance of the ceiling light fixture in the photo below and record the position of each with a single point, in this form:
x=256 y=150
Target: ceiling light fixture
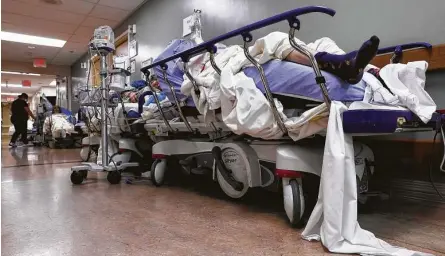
x=31 y=47
x=27 y=39
x=11 y=93
x=12 y=85
x=19 y=73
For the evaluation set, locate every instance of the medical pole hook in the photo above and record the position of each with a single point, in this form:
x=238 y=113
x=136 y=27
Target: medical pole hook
x=319 y=77
x=172 y=89
x=247 y=37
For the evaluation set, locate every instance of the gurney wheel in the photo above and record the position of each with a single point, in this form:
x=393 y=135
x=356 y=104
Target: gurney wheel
x=294 y=203
x=114 y=177
x=84 y=173
x=236 y=165
x=157 y=173
x=76 y=177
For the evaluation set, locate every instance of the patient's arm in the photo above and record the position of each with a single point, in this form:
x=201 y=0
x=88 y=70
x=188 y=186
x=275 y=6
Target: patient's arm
x=348 y=67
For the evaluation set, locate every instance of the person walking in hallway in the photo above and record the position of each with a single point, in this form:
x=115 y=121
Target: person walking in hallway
x=19 y=118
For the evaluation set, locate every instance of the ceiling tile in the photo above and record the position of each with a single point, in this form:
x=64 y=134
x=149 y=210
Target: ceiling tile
x=80 y=39
x=9 y=6
x=74 y=6
x=84 y=31
x=96 y=22
x=20 y=52
x=75 y=47
x=25 y=21
x=125 y=5
x=20 y=49
x=109 y=13
x=66 y=58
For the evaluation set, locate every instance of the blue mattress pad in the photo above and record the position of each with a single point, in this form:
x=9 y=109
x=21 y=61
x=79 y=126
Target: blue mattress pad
x=385 y=121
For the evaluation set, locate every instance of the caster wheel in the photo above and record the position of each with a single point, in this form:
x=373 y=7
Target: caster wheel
x=114 y=177
x=76 y=178
x=238 y=172
x=157 y=173
x=294 y=203
x=84 y=173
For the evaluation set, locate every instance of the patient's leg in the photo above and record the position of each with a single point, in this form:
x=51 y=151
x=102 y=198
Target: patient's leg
x=348 y=67
x=297 y=57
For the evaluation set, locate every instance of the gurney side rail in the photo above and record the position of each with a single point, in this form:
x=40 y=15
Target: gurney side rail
x=397 y=50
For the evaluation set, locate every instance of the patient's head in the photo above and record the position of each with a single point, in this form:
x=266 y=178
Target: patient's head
x=57 y=110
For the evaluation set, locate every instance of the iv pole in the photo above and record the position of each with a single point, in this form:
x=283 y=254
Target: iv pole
x=104 y=107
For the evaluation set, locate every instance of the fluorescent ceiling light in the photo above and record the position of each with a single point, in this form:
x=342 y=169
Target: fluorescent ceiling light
x=53 y=83
x=27 y=39
x=12 y=85
x=19 y=73
x=11 y=93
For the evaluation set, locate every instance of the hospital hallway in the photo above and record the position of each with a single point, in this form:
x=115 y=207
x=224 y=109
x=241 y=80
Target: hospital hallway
x=44 y=214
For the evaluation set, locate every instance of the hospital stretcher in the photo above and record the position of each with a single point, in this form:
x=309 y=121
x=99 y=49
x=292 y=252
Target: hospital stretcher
x=67 y=137
x=238 y=163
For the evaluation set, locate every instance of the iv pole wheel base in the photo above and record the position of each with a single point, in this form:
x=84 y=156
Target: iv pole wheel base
x=114 y=177
x=294 y=203
x=157 y=173
x=76 y=177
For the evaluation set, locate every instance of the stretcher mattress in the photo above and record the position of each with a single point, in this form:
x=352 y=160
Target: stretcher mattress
x=295 y=80
x=285 y=78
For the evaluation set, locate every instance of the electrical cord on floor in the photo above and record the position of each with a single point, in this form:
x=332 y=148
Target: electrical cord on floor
x=431 y=168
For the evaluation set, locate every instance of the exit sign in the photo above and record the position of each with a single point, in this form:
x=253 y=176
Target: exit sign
x=39 y=63
x=26 y=83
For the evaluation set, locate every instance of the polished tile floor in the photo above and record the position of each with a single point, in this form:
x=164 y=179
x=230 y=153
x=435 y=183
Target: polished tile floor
x=43 y=214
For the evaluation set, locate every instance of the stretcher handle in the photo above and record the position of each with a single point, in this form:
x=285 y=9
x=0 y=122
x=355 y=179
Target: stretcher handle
x=398 y=48
x=207 y=46
x=141 y=101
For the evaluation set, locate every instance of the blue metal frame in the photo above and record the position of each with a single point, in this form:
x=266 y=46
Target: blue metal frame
x=403 y=47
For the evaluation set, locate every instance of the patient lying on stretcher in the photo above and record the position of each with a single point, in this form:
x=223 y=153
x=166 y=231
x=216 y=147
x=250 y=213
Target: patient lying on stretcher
x=239 y=90
x=296 y=77
x=57 y=124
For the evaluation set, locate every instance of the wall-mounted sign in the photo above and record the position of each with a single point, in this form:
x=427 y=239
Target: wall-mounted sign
x=26 y=83
x=187 y=25
x=133 y=66
x=133 y=48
